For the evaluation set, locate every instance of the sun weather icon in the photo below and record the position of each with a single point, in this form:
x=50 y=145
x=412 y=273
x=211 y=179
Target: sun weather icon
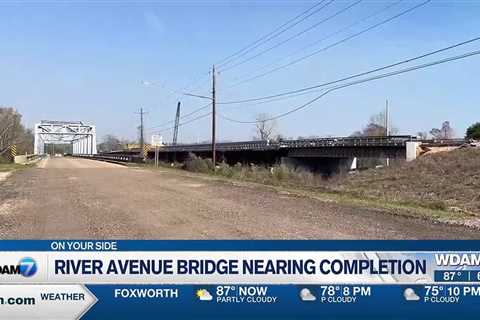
x=204 y=295
x=28 y=267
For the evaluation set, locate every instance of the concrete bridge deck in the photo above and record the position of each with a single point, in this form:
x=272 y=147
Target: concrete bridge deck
x=325 y=155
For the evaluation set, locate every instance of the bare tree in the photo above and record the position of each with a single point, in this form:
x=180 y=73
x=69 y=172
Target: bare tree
x=445 y=132
x=264 y=127
x=109 y=143
x=376 y=127
x=422 y=135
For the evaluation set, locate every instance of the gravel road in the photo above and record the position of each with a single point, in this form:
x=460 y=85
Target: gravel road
x=77 y=198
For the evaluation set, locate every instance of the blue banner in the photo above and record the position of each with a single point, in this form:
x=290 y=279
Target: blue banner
x=224 y=279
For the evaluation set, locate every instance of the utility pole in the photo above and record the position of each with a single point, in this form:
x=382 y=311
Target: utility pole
x=212 y=98
x=177 y=120
x=387 y=129
x=214 y=158
x=142 y=140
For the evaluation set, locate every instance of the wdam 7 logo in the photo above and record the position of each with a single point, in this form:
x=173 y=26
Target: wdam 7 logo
x=28 y=267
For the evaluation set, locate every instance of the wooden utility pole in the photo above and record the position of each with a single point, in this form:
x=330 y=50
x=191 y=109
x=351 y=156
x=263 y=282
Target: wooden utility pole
x=212 y=98
x=214 y=158
x=387 y=129
x=142 y=140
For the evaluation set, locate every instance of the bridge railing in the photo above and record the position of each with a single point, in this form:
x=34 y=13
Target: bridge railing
x=222 y=146
x=262 y=145
x=122 y=158
x=347 y=142
x=443 y=142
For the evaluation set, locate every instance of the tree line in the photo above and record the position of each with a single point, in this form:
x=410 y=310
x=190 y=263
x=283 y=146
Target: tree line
x=376 y=126
x=13 y=132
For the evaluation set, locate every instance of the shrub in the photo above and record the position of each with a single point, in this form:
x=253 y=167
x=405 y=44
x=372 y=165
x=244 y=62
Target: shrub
x=276 y=175
x=280 y=173
x=197 y=164
x=225 y=170
x=436 y=205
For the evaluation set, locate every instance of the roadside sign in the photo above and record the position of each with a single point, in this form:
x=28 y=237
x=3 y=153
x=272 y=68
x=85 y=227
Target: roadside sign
x=13 y=151
x=157 y=140
x=146 y=149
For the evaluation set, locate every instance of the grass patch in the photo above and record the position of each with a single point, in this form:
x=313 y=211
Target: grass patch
x=320 y=193
x=444 y=181
x=275 y=175
x=443 y=187
x=4 y=167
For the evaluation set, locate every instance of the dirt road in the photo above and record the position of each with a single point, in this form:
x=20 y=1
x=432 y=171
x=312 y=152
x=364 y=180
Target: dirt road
x=77 y=198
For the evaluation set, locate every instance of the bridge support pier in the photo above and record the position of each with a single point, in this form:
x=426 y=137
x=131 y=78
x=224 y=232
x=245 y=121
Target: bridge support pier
x=412 y=150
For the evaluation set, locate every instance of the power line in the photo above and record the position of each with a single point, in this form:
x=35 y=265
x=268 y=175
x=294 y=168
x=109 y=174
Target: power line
x=355 y=75
x=381 y=76
x=276 y=32
x=184 y=123
x=267 y=38
x=334 y=44
x=182 y=117
x=198 y=82
x=273 y=34
x=275 y=99
x=294 y=36
x=324 y=38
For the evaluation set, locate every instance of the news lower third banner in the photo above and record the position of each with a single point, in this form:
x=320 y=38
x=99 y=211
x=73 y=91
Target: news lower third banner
x=67 y=279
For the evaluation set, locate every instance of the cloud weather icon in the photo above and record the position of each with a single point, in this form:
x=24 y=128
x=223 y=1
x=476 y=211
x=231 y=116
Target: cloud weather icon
x=204 y=295
x=307 y=295
x=410 y=295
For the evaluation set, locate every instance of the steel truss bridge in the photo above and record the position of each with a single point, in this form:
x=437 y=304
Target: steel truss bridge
x=80 y=136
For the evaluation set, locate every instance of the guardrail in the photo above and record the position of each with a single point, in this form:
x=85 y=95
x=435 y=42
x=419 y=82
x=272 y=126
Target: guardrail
x=26 y=158
x=31 y=157
x=118 y=158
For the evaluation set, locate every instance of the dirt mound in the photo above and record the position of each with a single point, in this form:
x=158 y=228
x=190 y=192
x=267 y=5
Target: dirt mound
x=446 y=180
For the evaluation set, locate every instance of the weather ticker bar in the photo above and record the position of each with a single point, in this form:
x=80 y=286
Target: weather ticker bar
x=124 y=279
